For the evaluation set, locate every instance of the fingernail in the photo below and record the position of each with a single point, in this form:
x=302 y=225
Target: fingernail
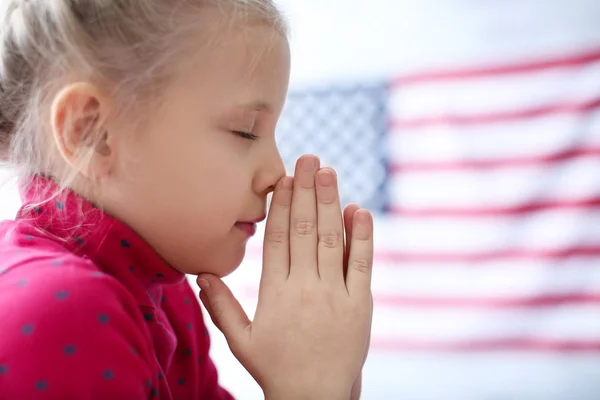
x=326 y=178
x=204 y=284
x=308 y=163
x=364 y=218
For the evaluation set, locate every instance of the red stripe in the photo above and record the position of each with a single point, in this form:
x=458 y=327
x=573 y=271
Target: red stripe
x=509 y=162
x=541 y=301
x=571 y=61
x=511 y=344
x=479 y=212
x=403 y=125
x=399 y=258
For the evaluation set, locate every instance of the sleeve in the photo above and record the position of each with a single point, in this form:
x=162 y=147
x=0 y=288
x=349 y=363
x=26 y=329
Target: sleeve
x=69 y=334
x=212 y=389
x=182 y=306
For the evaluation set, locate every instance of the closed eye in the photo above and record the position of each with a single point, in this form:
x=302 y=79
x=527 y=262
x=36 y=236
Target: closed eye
x=246 y=135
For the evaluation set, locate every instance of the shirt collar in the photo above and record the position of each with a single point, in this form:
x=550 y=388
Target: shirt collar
x=89 y=232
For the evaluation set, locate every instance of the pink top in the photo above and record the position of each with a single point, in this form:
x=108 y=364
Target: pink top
x=89 y=310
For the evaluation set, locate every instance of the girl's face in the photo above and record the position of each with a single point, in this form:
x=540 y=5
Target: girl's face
x=188 y=182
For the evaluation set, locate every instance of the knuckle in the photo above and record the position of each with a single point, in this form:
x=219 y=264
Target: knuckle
x=331 y=239
x=362 y=265
x=327 y=199
x=276 y=237
x=304 y=226
x=307 y=183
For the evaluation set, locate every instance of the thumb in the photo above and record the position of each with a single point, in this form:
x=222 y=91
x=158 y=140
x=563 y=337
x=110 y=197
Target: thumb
x=224 y=310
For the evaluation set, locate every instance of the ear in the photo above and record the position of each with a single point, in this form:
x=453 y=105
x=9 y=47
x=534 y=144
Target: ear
x=79 y=118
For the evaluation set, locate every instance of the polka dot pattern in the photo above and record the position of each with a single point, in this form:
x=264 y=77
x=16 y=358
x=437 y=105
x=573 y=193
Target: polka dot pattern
x=70 y=349
x=108 y=374
x=103 y=319
x=82 y=311
x=41 y=385
x=62 y=295
x=27 y=329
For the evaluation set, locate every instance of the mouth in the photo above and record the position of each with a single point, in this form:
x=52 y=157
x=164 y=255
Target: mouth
x=249 y=227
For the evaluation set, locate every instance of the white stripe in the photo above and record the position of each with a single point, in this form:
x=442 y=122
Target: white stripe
x=500 y=279
x=567 y=322
x=534 y=137
x=497 y=94
x=504 y=187
x=481 y=376
x=543 y=231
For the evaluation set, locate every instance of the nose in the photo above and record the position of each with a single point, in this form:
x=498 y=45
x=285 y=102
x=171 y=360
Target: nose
x=270 y=172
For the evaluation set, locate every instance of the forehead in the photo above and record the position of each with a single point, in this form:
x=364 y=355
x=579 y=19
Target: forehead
x=248 y=64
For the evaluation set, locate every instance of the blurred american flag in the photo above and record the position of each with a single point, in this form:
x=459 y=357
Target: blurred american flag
x=496 y=190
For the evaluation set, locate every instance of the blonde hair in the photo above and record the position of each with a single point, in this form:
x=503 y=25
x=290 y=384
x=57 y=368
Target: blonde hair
x=126 y=46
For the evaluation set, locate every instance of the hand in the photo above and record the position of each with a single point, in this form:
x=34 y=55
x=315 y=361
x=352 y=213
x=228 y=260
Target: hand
x=311 y=329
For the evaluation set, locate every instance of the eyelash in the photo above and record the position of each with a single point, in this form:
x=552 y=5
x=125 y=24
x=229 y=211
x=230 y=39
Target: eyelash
x=246 y=135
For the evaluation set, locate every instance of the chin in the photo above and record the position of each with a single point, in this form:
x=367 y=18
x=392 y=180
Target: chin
x=218 y=266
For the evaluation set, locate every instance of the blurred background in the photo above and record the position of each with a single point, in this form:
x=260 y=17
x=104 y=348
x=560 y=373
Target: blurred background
x=472 y=130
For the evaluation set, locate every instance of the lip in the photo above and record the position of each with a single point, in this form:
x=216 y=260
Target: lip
x=249 y=228
x=255 y=220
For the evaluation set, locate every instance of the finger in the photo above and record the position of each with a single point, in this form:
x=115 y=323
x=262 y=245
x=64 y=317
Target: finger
x=225 y=311
x=330 y=228
x=276 y=245
x=349 y=212
x=360 y=261
x=303 y=219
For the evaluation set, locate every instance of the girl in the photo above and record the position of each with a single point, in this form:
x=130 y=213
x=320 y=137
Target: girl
x=144 y=135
